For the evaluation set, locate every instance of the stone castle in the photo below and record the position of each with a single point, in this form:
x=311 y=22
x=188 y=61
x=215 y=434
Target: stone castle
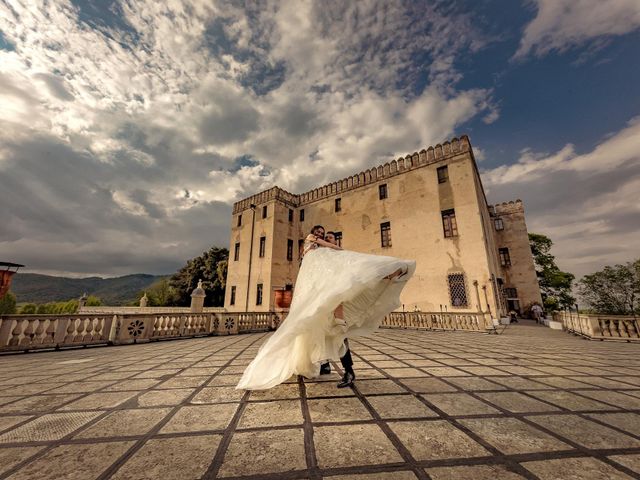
x=429 y=206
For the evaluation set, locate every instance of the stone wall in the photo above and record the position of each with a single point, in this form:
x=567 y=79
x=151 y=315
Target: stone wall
x=414 y=204
x=521 y=274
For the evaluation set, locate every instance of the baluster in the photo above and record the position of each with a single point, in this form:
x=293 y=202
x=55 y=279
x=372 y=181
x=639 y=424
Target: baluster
x=156 y=325
x=28 y=333
x=17 y=331
x=38 y=338
x=51 y=331
x=80 y=331
x=615 y=327
x=98 y=329
x=71 y=327
x=633 y=328
x=164 y=325
x=88 y=330
x=623 y=327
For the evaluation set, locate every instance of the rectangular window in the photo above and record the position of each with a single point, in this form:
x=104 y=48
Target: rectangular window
x=338 y=236
x=385 y=234
x=449 y=223
x=290 y=250
x=443 y=174
x=511 y=293
x=259 y=295
x=290 y=215
x=236 y=253
x=499 y=224
x=232 y=301
x=302 y=215
x=300 y=247
x=457 y=290
x=382 y=191
x=263 y=246
x=338 y=204
x=264 y=212
x=505 y=259
x=240 y=220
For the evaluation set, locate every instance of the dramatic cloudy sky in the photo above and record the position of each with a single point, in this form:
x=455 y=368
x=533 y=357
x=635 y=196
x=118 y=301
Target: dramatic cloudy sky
x=129 y=127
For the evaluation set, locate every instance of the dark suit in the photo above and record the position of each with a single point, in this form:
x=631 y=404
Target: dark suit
x=346 y=360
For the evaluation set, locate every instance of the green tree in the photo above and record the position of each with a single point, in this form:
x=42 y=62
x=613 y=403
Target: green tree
x=555 y=285
x=28 y=309
x=70 y=306
x=160 y=294
x=211 y=268
x=57 y=308
x=8 y=304
x=613 y=290
x=93 y=301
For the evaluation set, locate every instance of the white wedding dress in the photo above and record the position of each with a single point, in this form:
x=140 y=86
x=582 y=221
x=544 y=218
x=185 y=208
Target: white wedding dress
x=310 y=335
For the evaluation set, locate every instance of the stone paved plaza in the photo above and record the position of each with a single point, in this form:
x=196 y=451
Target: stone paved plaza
x=531 y=403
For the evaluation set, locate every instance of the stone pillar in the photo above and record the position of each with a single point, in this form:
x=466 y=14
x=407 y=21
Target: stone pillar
x=478 y=304
x=197 y=299
x=144 y=300
x=82 y=301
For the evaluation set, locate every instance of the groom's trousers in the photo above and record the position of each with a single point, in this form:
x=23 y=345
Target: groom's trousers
x=346 y=360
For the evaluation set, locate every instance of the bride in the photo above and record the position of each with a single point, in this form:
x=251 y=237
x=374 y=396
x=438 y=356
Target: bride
x=366 y=286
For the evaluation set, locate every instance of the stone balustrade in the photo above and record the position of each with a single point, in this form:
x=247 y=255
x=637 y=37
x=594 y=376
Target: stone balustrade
x=105 y=310
x=28 y=332
x=600 y=327
x=475 y=321
x=33 y=332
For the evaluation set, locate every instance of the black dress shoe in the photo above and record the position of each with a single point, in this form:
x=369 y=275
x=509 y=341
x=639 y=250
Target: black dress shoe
x=325 y=369
x=347 y=380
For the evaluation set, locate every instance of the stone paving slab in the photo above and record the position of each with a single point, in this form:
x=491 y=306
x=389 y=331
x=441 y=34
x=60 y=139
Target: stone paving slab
x=532 y=403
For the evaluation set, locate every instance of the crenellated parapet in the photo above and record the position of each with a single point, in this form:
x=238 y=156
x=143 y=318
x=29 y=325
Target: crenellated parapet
x=274 y=193
x=506 y=208
x=412 y=161
x=431 y=155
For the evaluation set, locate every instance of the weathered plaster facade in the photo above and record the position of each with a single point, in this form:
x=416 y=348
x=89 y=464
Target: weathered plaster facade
x=418 y=196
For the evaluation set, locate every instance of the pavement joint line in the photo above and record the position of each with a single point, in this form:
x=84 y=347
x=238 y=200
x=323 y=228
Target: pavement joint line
x=218 y=458
x=309 y=444
x=54 y=444
x=401 y=346
x=140 y=443
x=404 y=452
x=513 y=466
x=586 y=451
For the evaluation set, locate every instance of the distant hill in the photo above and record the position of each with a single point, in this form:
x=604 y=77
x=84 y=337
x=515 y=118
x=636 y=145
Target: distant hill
x=36 y=288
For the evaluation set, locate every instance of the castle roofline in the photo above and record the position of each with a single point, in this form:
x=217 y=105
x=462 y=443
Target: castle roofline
x=511 y=206
x=433 y=154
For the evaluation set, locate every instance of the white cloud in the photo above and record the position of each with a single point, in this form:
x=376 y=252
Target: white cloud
x=585 y=202
x=138 y=123
x=563 y=24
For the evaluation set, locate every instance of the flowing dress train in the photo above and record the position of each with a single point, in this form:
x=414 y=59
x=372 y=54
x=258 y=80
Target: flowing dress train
x=310 y=334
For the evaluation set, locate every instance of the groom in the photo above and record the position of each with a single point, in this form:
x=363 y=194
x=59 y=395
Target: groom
x=346 y=360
